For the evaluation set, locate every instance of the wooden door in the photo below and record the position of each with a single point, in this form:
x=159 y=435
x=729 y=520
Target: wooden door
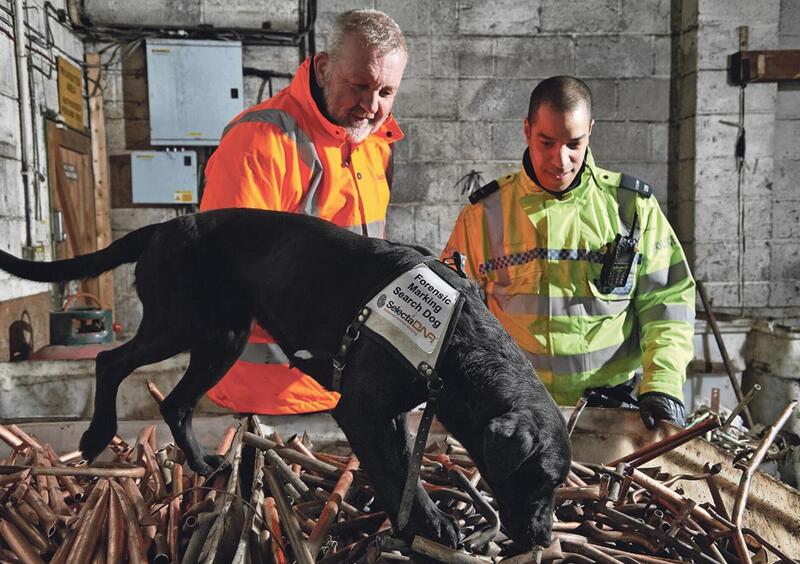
x=72 y=191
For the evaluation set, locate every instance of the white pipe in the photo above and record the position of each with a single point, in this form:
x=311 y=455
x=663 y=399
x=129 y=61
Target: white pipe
x=25 y=118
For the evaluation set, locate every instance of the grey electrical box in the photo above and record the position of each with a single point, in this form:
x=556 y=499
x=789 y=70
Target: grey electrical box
x=194 y=88
x=159 y=177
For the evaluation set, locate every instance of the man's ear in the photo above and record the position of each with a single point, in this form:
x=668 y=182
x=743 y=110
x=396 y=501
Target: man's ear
x=508 y=441
x=321 y=66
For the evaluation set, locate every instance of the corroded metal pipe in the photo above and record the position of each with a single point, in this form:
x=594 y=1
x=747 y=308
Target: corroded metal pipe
x=287 y=517
x=19 y=544
x=331 y=509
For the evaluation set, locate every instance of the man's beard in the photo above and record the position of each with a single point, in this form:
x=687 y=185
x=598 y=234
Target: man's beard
x=354 y=134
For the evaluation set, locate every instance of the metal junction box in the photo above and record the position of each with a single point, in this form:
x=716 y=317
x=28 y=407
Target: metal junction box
x=194 y=88
x=160 y=177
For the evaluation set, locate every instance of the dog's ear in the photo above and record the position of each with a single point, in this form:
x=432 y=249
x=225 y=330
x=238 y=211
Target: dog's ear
x=508 y=441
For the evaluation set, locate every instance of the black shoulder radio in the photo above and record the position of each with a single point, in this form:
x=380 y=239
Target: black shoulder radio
x=618 y=261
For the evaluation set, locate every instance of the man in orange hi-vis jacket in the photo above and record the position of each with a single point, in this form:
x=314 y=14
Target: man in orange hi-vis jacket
x=322 y=147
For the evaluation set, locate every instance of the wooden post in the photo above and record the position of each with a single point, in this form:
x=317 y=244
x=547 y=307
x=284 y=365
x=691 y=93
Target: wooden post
x=97 y=123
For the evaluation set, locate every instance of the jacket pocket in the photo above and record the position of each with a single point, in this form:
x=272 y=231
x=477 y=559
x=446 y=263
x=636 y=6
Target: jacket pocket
x=616 y=294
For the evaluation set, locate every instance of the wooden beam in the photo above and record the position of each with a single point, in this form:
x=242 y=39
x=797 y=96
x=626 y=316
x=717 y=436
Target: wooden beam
x=100 y=168
x=764 y=66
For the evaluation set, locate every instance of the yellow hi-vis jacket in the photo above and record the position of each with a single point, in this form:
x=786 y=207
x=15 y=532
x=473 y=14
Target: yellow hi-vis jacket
x=538 y=258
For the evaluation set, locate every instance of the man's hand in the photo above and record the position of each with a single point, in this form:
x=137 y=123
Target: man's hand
x=655 y=406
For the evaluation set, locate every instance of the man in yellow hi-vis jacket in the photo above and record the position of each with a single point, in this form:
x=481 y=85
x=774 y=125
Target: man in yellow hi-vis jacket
x=581 y=266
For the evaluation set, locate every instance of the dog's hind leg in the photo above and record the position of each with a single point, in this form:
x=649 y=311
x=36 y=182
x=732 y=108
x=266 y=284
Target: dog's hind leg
x=111 y=368
x=210 y=360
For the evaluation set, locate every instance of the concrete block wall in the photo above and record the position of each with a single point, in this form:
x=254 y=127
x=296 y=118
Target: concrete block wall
x=740 y=233
x=466 y=89
x=51 y=39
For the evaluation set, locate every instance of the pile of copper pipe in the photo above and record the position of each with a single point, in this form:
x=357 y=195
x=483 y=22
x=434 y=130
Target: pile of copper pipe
x=142 y=506
x=621 y=512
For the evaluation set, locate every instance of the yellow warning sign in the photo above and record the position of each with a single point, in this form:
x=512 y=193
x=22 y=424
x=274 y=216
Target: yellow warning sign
x=184 y=196
x=70 y=93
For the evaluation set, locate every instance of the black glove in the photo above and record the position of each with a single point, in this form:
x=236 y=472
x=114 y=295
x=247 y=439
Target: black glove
x=655 y=406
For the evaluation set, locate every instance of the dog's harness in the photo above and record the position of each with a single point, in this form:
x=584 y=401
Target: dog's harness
x=414 y=317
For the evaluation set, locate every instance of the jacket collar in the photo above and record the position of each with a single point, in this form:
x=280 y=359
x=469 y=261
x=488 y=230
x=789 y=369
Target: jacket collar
x=531 y=181
x=301 y=90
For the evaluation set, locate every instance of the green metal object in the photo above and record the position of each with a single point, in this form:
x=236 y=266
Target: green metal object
x=81 y=326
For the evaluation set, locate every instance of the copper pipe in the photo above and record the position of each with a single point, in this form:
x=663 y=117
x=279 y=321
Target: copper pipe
x=339 y=465
x=132 y=532
x=576 y=414
x=27 y=512
x=99 y=490
x=15 y=477
x=579 y=493
x=89 y=532
x=155 y=393
x=47 y=518
x=162 y=555
x=18 y=543
x=143 y=514
x=651 y=451
x=173 y=529
x=292 y=455
x=87 y=471
x=747 y=475
x=367 y=523
x=442 y=553
x=201 y=506
x=8 y=557
x=288 y=520
x=283 y=469
x=154 y=470
x=591 y=529
x=26 y=438
x=40 y=479
x=177 y=479
x=71 y=456
x=76 y=491
x=665 y=494
x=296 y=443
x=588 y=550
x=331 y=509
x=636 y=557
x=116 y=531
x=323 y=495
x=18 y=493
x=36 y=539
x=10 y=438
x=227 y=440
x=274 y=525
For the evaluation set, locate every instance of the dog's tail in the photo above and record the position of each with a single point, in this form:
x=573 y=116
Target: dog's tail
x=125 y=249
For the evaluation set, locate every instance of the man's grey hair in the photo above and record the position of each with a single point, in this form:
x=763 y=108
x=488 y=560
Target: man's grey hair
x=373 y=29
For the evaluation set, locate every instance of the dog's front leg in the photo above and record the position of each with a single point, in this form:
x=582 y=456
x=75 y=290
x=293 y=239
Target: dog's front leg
x=382 y=447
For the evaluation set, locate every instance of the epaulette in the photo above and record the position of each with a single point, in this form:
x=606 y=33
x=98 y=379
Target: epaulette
x=635 y=185
x=487 y=189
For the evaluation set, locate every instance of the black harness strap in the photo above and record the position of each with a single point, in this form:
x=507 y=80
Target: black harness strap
x=435 y=385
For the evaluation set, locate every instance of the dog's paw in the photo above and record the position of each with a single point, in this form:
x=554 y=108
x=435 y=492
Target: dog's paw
x=92 y=443
x=445 y=529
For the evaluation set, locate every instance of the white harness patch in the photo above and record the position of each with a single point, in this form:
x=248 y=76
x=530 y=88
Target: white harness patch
x=413 y=313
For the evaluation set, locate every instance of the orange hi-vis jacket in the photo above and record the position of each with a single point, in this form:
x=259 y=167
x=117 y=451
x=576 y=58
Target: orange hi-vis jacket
x=284 y=155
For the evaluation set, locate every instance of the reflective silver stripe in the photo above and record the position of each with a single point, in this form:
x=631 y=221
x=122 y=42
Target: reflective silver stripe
x=531 y=304
x=663 y=278
x=667 y=312
x=585 y=362
x=372 y=229
x=263 y=353
x=305 y=149
x=495 y=230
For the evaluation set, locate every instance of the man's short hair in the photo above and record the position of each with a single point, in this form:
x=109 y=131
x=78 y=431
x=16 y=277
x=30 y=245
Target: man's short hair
x=562 y=93
x=372 y=28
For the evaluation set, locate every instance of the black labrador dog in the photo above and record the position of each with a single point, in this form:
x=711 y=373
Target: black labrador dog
x=204 y=278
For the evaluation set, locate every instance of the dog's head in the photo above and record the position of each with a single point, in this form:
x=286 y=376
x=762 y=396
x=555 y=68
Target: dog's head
x=524 y=461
